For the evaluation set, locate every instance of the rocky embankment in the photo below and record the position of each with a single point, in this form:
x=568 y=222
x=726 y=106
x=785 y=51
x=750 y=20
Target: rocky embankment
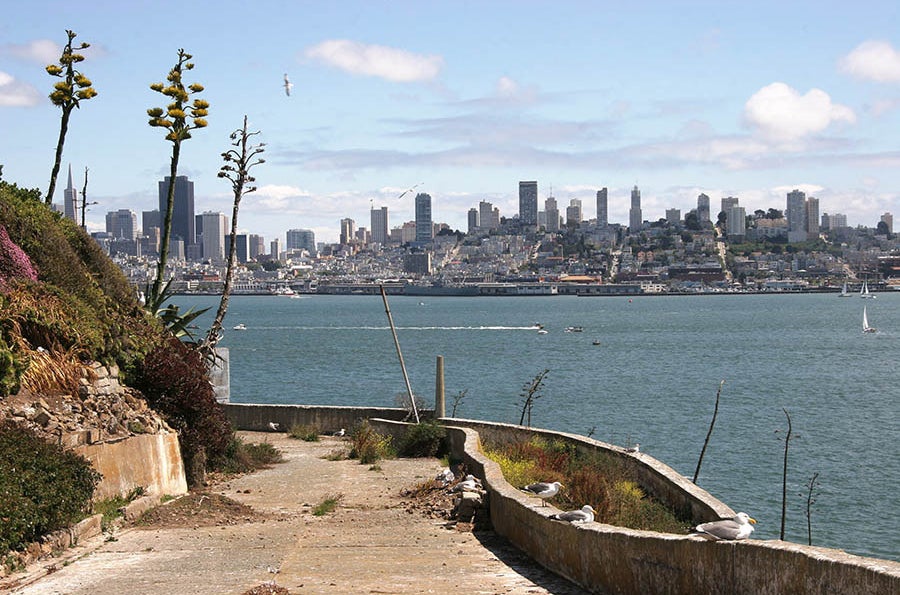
x=103 y=410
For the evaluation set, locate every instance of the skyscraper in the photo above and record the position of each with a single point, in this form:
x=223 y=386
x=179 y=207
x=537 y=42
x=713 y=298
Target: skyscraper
x=257 y=246
x=728 y=202
x=573 y=212
x=552 y=214
x=182 y=208
x=347 y=227
x=635 y=218
x=149 y=219
x=301 y=239
x=424 y=227
x=528 y=203
x=486 y=216
x=213 y=237
x=812 y=218
x=121 y=224
x=796 y=216
x=380 y=226
x=70 y=199
x=472 y=220
x=736 y=223
x=702 y=209
x=888 y=220
x=602 y=208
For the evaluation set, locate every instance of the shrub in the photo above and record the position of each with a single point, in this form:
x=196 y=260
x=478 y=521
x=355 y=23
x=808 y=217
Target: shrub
x=43 y=488
x=369 y=446
x=424 y=439
x=327 y=505
x=303 y=432
x=244 y=457
x=175 y=382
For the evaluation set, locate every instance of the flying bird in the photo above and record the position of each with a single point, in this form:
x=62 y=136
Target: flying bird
x=543 y=490
x=407 y=191
x=739 y=527
x=585 y=515
x=287 y=85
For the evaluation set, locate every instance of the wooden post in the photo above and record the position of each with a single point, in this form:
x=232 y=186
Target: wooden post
x=412 y=398
x=439 y=403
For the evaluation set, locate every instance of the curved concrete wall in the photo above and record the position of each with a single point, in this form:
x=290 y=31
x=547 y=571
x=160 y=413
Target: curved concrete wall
x=607 y=559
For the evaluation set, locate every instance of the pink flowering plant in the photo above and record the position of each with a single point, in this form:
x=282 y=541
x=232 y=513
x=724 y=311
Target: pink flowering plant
x=14 y=263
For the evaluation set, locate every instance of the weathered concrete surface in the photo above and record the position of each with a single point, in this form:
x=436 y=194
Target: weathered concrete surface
x=150 y=461
x=370 y=544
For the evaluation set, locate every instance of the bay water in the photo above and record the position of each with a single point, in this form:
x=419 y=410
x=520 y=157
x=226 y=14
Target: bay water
x=643 y=370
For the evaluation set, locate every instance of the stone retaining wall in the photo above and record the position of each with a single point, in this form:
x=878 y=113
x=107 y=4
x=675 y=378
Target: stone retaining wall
x=256 y=417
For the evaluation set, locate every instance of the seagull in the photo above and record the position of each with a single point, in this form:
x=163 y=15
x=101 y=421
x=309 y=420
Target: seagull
x=543 y=490
x=585 y=515
x=405 y=192
x=273 y=426
x=287 y=85
x=445 y=476
x=739 y=527
x=339 y=433
x=634 y=449
x=469 y=484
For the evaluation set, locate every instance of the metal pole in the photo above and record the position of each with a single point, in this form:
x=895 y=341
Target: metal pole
x=387 y=309
x=440 y=409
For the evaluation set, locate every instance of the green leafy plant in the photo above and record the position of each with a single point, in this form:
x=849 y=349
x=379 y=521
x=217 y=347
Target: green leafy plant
x=245 y=457
x=327 y=505
x=68 y=93
x=304 y=432
x=425 y=439
x=43 y=487
x=369 y=446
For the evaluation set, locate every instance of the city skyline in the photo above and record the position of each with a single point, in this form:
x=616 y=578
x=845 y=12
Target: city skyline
x=678 y=100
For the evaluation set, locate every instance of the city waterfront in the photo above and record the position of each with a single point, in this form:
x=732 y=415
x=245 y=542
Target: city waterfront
x=651 y=379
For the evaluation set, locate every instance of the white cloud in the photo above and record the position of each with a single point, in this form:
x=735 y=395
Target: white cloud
x=375 y=60
x=16 y=94
x=42 y=51
x=780 y=113
x=872 y=60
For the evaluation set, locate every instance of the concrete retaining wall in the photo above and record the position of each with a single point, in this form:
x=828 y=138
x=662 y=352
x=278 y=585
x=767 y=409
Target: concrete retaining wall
x=256 y=417
x=150 y=461
x=607 y=559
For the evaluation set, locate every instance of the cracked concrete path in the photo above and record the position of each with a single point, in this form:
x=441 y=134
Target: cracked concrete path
x=371 y=543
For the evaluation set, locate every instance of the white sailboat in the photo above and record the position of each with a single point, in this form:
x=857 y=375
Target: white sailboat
x=864 y=292
x=844 y=292
x=866 y=327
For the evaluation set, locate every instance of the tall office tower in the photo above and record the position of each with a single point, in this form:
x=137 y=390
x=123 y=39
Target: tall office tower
x=70 y=199
x=838 y=220
x=121 y=224
x=301 y=239
x=149 y=219
x=424 y=228
x=486 y=216
x=213 y=237
x=728 y=202
x=347 y=227
x=241 y=247
x=362 y=234
x=635 y=219
x=888 y=219
x=796 y=210
x=574 y=214
x=472 y=221
x=380 y=226
x=826 y=221
x=812 y=218
x=602 y=208
x=275 y=249
x=703 y=209
x=673 y=216
x=528 y=203
x=736 y=223
x=182 y=208
x=257 y=246
x=552 y=214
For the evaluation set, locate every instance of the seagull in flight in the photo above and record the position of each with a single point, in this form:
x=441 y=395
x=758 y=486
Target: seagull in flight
x=405 y=192
x=287 y=85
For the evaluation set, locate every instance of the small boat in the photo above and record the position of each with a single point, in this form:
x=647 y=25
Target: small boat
x=866 y=327
x=239 y=327
x=574 y=329
x=542 y=331
x=864 y=292
x=844 y=292
x=595 y=342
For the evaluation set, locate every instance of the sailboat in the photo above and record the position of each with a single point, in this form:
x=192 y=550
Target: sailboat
x=866 y=327
x=864 y=292
x=844 y=292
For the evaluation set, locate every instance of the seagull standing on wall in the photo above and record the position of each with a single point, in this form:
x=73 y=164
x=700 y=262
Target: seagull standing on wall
x=287 y=85
x=739 y=527
x=543 y=490
x=585 y=515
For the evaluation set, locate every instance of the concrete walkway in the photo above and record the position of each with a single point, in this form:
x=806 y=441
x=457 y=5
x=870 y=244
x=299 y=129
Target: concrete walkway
x=372 y=543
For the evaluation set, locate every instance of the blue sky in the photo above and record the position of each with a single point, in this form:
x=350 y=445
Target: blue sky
x=467 y=98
